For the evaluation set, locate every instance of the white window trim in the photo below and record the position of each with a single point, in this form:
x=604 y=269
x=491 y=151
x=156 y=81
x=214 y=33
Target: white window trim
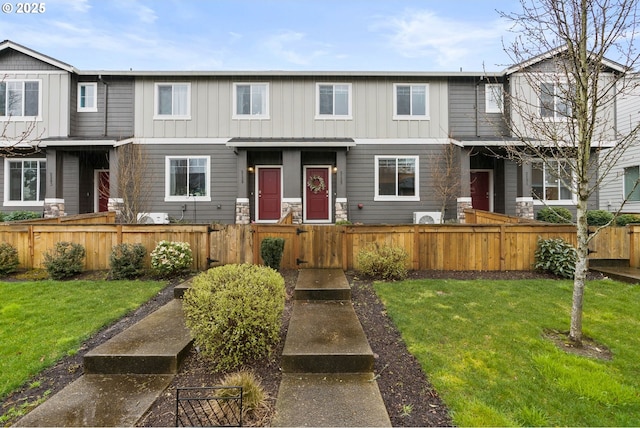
x=156 y=103
x=95 y=100
x=397 y=116
x=167 y=181
x=234 y=106
x=555 y=82
x=624 y=181
x=37 y=118
x=552 y=202
x=7 y=202
x=493 y=98
x=347 y=116
x=378 y=197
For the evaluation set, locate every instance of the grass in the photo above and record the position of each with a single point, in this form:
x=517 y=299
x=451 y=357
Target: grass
x=43 y=321
x=481 y=344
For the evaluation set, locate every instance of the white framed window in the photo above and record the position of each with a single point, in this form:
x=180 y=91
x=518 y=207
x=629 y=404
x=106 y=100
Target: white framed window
x=554 y=101
x=411 y=101
x=250 y=100
x=552 y=181
x=397 y=178
x=187 y=178
x=493 y=98
x=333 y=100
x=631 y=177
x=24 y=181
x=20 y=99
x=87 y=97
x=172 y=101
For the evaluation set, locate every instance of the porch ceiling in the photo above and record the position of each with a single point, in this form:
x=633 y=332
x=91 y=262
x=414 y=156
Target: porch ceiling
x=291 y=142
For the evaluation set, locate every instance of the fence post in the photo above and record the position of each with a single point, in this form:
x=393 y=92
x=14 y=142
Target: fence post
x=633 y=246
x=503 y=247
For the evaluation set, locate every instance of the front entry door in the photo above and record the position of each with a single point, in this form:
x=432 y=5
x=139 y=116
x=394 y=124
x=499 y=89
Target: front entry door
x=317 y=194
x=481 y=190
x=101 y=180
x=269 y=194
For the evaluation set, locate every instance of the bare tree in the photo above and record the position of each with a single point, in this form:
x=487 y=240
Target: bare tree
x=563 y=108
x=17 y=138
x=445 y=176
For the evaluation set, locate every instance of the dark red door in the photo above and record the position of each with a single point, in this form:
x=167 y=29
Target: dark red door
x=269 y=194
x=317 y=197
x=480 y=190
x=103 y=191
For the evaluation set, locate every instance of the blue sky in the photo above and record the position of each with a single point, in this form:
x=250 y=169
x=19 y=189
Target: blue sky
x=406 y=35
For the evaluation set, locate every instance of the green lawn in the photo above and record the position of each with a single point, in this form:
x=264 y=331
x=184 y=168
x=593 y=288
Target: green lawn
x=42 y=321
x=481 y=344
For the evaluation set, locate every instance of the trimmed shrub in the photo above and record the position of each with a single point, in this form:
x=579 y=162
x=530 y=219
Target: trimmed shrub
x=625 y=219
x=554 y=215
x=21 y=215
x=386 y=262
x=253 y=395
x=234 y=313
x=170 y=258
x=271 y=250
x=65 y=260
x=8 y=258
x=555 y=256
x=127 y=261
x=598 y=217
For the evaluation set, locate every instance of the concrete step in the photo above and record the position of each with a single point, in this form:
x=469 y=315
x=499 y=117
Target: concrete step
x=322 y=284
x=178 y=290
x=330 y=400
x=619 y=273
x=156 y=344
x=326 y=337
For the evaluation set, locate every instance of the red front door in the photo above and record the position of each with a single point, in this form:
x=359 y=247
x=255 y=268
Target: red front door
x=317 y=194
x=480 y=190
x=269 y=194
x=103 y=191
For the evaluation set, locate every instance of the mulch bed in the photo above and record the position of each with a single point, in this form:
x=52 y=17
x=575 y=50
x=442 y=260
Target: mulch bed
x=409 y=397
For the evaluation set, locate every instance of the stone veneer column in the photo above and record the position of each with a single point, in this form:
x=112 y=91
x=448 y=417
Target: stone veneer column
x=53 y=207
x=462 y=204
x=243 y=211
x=524 y=207
x=116 y=205
x=342 y=213
x=293 y=205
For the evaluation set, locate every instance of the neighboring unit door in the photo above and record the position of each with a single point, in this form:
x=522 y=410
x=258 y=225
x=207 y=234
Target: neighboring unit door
x=480 y=190
x=102 y=190
x=317 y=194
x=269 y=194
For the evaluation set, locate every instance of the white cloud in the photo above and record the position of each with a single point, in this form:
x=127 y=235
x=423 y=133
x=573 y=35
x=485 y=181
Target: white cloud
x=143 y=13
x=418 y=34
x=63 y=6
x=294 y=47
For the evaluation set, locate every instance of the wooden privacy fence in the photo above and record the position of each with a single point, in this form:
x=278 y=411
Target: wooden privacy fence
x=437 y=247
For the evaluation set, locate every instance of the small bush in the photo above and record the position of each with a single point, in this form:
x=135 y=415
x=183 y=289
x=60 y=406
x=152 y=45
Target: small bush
x=8 y=258
x=598 y=217
x=21 y=215
x=234 y=313
x=66 y=259
x=253 y=395
x=625 y=219
x=387 y=263
x=554 y=215
x=271 y=250
x=170 y=258
x=555 y=256
x=127 y=261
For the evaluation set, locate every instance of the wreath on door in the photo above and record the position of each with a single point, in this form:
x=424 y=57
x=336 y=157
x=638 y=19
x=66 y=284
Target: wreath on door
x=316 y=183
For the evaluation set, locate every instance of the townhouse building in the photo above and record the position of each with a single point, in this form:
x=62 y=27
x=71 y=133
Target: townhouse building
x=240 y=147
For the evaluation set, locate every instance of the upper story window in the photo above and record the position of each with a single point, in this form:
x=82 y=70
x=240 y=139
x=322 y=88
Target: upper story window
x=631 y=189
x=20 y=99
x=396 y=178
x=551 y=181
x=411 y=101
x=24 y=181
x=494 y=98
x=554 y=101
x=87 y=97
x=187 y=178
x=251 y=100
x=173 y=101
x=333 y=101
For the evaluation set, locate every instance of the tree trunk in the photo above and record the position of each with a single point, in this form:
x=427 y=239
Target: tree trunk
x=580 y=276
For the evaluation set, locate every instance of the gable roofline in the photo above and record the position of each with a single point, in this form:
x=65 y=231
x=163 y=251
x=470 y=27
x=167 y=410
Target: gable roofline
x=8 y=44
x=555 y=52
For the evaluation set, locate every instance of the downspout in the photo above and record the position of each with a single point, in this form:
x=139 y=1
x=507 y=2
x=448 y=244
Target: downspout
x=106 y=99
x=478 y=106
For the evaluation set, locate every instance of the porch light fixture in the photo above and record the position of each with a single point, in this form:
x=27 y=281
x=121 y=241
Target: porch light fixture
x=250 y=169
x=335 y=169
